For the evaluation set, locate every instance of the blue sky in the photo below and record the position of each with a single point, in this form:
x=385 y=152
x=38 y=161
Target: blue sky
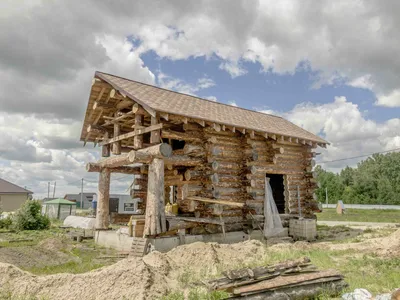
x=260 y=90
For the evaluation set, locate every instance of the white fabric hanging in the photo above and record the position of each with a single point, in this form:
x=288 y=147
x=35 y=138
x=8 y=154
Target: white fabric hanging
x=272 y=223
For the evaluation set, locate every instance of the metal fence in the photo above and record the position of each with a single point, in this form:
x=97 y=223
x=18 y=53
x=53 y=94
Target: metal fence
x=363 y=206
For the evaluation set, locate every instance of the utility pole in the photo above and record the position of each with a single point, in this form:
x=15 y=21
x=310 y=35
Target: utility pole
x=48 y=190
x=326 y=196
x=82 y=194
x=54 y=190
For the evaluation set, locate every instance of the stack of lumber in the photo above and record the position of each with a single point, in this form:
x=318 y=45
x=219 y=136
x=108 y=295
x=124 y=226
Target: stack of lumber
x=297 y=279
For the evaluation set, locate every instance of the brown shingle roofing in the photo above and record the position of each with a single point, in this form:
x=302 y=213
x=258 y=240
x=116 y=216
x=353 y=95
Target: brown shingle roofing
x=7 y=187
x=193 y=107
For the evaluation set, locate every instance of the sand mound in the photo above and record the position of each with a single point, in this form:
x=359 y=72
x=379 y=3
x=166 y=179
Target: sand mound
x=134 y=278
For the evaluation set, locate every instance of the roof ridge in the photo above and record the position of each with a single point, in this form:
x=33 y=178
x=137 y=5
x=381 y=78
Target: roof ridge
x=16 y=185
x=171 y=91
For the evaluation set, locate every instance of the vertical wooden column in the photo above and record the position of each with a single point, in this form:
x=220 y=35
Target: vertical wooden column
x=103 y=201
x=155 y=210
x=116 y=147
x=105 y=150
x=138 y=140
x=155 y=135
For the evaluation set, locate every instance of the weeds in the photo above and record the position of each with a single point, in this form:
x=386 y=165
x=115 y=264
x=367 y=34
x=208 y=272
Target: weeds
x=197 y=294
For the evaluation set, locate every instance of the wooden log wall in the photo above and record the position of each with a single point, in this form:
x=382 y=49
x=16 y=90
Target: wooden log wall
x=225 y=154
x=229 y=165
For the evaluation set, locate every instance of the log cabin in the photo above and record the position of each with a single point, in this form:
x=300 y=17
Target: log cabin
x=209 y=159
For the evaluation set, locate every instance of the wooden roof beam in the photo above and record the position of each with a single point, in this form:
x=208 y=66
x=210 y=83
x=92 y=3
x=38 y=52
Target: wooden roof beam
x=202 y=123
x=216 y=127
x=132 y=134
x=140 y=156
x=120 y=118
x=98 y=104
x=251 y=133
x=165 y=116
x=137 y=109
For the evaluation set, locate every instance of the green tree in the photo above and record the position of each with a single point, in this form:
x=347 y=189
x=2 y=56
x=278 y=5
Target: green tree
x=29 y=217
x=375 y=180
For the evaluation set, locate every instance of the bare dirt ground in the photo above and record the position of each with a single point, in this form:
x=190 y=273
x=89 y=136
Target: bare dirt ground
x=49 y=252
x=158 y=274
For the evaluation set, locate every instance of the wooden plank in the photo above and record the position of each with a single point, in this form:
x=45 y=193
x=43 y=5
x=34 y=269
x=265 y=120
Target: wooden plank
x=283 y=281
x=222 y=202
x=132 y=134
x=181 y=136
x=199 y=220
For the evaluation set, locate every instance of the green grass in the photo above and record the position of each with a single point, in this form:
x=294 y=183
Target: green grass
x=35 y=235
x=197 y=294
x=376 y=274
x=85 y=262
x=361 y=215
x=84 y=255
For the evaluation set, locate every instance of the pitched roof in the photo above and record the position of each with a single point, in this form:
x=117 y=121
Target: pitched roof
x=60 y=201
x=7 y=187
x=77 y=196
x=167 y=101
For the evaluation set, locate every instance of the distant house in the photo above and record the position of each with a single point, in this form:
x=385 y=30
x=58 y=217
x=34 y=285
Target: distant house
x=87 y=199
x=12 y=196
x=118 y=203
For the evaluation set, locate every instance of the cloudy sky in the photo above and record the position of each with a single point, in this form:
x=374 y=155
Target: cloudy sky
x=332 y=67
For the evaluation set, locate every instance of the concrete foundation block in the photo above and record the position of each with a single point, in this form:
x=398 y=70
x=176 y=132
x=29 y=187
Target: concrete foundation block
x=303 y=229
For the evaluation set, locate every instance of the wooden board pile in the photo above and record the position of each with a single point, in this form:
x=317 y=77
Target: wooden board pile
x=296 y=279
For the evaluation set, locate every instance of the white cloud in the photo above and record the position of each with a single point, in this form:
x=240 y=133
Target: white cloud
x=343 y=125
x=363 y=82
x=179 y=85
x=212 y=98
x=233 y=103
x=233 y=68
x=390 y=100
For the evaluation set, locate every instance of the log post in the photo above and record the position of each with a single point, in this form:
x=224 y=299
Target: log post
x=155 y=134
x=138 y=139
x=116 y=146
x=103 y=203
x=105 y=149
x=155 y=222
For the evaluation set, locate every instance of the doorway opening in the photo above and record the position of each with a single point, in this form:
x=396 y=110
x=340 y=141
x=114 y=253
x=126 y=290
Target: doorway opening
x=278 y=191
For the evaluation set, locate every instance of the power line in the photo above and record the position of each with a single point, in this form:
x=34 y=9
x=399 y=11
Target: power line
x=365 y=155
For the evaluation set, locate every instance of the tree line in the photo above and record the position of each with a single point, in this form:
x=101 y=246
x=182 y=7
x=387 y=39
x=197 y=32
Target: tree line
x=375 y=180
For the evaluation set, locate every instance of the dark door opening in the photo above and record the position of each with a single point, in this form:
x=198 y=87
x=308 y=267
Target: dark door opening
x=113 y=205
x=278 y=191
